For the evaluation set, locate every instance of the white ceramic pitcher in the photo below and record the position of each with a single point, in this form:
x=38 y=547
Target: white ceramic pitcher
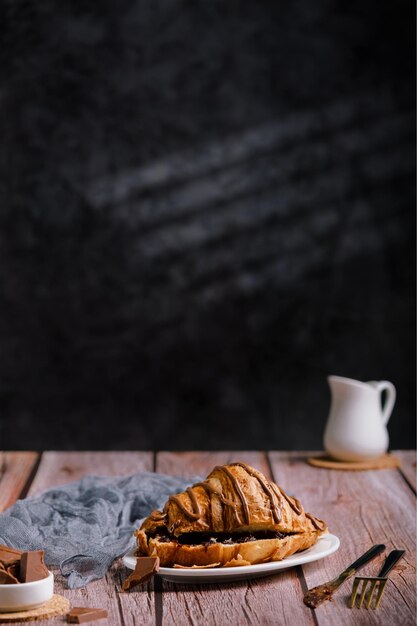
x=356 y=427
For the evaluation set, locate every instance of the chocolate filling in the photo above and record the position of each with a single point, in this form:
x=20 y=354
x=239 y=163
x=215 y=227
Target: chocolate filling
x=205 y=539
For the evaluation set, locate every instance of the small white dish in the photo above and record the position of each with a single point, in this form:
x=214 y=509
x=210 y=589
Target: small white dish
x=326 y=545
x=26 y=596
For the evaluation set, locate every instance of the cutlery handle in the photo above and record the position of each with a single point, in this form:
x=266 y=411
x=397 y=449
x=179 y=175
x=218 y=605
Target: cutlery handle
x=391 y=560
x=352 y=569
x=364 y=559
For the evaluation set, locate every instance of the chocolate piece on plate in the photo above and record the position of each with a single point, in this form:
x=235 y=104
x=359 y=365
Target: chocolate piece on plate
x=32 y=566
x=81 y=614
x=9 y=556
x=146 y=567
x=13 y=569
x=7 y=579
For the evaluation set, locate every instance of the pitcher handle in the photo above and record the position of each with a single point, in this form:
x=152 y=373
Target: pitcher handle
x=385 y=385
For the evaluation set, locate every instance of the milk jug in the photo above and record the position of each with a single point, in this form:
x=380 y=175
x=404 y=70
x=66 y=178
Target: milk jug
x=356 y=427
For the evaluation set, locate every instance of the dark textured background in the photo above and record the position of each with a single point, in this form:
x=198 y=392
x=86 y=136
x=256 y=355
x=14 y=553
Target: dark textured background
x=206 y=208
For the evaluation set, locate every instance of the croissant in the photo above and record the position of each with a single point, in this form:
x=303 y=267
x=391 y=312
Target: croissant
x=235 y=517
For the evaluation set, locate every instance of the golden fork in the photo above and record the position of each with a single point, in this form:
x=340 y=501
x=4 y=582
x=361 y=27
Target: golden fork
x=391 y=560
x=314 y=597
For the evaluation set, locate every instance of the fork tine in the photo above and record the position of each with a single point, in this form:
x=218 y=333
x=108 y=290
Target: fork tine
x=371 y=593
x=363 y=592
x=354 y=592
x=380 y=591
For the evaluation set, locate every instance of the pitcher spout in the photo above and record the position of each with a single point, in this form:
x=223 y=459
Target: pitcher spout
x=343 y=381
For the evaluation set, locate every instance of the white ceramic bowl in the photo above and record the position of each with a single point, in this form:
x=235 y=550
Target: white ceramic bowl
x=26 y=595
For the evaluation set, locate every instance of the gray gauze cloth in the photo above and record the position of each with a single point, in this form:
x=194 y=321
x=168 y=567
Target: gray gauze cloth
x=85 y=525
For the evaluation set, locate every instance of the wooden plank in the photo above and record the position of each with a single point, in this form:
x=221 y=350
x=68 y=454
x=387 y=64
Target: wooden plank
x=201 y=463
x=362 y=508
x=125 y=609
x=15 y=472
x=408 y=465
x=58 y=468
x=272 y=600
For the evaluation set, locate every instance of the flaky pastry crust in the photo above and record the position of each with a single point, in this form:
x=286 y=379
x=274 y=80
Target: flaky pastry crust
x=237 y=500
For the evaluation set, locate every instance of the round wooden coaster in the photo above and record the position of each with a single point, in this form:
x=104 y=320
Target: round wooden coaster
x=386 y=461
x=57 y=605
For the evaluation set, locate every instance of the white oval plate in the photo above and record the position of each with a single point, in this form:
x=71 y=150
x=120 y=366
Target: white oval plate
x=326 y=545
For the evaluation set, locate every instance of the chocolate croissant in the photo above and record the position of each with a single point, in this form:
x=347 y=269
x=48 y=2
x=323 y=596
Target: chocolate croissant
x=235 y=517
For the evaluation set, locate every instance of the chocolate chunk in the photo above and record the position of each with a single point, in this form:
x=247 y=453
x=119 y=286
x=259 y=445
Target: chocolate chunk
x=13 y=570
x=81 y=614
x=7 y=579
x=9 y=556
x=9 y=565
x=32 y=566
x=146 y=567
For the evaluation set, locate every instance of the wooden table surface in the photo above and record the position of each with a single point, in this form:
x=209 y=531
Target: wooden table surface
x=361 y=508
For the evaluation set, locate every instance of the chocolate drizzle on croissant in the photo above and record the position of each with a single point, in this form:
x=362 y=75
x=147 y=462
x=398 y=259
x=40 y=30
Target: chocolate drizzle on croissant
x=317 y=523
x=274 y=493
x=195 y=512
x=268 y=488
